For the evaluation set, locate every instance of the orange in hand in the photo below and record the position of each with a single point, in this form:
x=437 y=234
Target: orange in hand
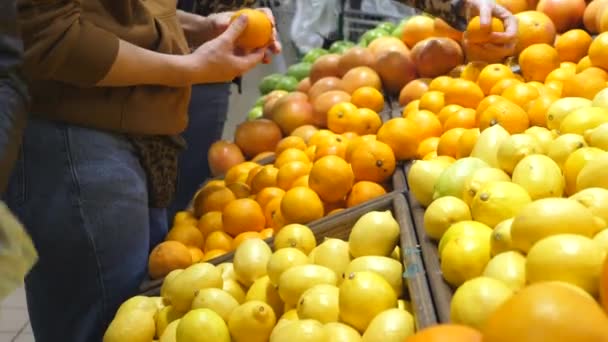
x=476 y=34
x=258 y=32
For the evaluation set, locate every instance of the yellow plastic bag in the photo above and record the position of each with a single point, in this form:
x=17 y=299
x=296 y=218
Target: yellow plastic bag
x=17 y=252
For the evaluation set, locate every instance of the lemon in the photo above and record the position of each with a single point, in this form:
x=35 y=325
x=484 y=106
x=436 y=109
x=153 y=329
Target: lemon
x=540 y=176
x=451 y=180
x=404 y=305
x=592 y=175
x=543 y=135
x=422 y=176
x=305 y=330
x=170 y=333
x=165 y=316
x=498 y=201
x=396 y=254
x=290 y=315
x=575 y=163
x=570 y=258
x=501 y=237
x=464 y=258
x=598 y=137
x=142 y=303
x=133 y=326
x=282 y=260
x=252 y=322
x=601 y=99
x=363 y=295
x=464 y=228
x=168 y=280
x=296 y=236
x=508 y=267
x=320 y=303
x=195 y=322
x=488 y=143
x=333 y=254
x=444 y=212
x=250 y=261
x=480 y=178
x=234 y=289
x=391 y=270
x=182 y=289
x=374 y=233
x=227 y=270
x=392 y=325
x=562 y=107
x=601 y=239
x=515 y=148
x=220 y=301
x=263 y=290
x=296 y=280
x=339 y=332
x=583 y=119
x=551 y=216
x=561 y=148
x=476 y=299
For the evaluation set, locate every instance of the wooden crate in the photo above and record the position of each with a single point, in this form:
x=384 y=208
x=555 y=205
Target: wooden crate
x=339 y=226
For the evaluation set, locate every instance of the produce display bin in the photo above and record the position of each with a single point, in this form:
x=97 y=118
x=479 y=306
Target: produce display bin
x=339 y=226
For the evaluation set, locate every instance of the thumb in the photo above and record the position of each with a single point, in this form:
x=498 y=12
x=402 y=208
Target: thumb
x=236 y=28
x=485 y=15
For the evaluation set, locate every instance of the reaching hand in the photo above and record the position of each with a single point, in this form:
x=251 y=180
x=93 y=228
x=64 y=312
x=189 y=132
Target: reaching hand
x=219 y=60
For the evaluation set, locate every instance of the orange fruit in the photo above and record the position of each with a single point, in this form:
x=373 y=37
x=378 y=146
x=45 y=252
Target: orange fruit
x=353 y=144
x=260 y=157
x=252 y=173
x=290 y=172
x=322 y=135
x=467 y=141
x=266 y=233
x=432 y=100
x=267 y=177
x=210 y=222
x=537 y=110
x=492 y=74
x=348 y=136
x=291 y=141
x=583 y=64
x=427 y=122
x=186 y=217
x=368 y=97
x=521 y=94
x=476 y=34
x=166 y=257
x=236 y=242
x=331 y=178
x=448 y=142
x=402 y=136
x=258 y=32
x=329 y=207
x=547 y=311
x=517 y=6
x=188 y=235
x=573 y=45
x=212 y=254
x=472 y=70
x=537 y=61
x=267 y=194
x=272 y=213
x=499 y=87
x=447 y=111
x=560 y=74
x=413 y=90
x=243 y=215
x=196 y=254
x=335 y=148
x=464 y=118
x=427 y=146
x=290 y=155
x=595 y=72
x=533 y=28
x=218 y=240
x=554 y=88
x=335 y=211
x=598 y=51
x=214 y=200
x=364 y=191
x=583 y=85
x=417 y=28
x=440 y=83
x=506 y=113
x=339 y=117
x=366 y=121
x=239 y=173
x=430 y=155
x=410 y=107
x=301 y=205
x=373 y=161
x=301 y=181
x=446 y=333
x=464 y=93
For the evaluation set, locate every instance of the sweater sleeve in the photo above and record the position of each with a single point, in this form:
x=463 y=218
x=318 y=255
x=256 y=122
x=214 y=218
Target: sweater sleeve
x=451 y=11
x=62 y=46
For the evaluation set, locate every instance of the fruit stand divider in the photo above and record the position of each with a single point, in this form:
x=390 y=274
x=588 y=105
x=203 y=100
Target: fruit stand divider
x=340 y=225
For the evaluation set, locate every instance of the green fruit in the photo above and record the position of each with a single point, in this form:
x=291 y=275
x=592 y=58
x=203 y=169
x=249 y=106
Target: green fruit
x=255 y=113
x=371 y=35
x=387 y=26
x=260 y=101
x=269 y=83
x=287 y=83
x=300 y=71
x=340 y=46
x=314 y=54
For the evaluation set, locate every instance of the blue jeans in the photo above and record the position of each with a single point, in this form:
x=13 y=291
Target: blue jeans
x=208 y=110
x=81 y=194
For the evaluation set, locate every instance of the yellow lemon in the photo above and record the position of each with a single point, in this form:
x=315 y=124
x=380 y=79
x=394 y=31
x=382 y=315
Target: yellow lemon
x=498 y=201
x=444 y=212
